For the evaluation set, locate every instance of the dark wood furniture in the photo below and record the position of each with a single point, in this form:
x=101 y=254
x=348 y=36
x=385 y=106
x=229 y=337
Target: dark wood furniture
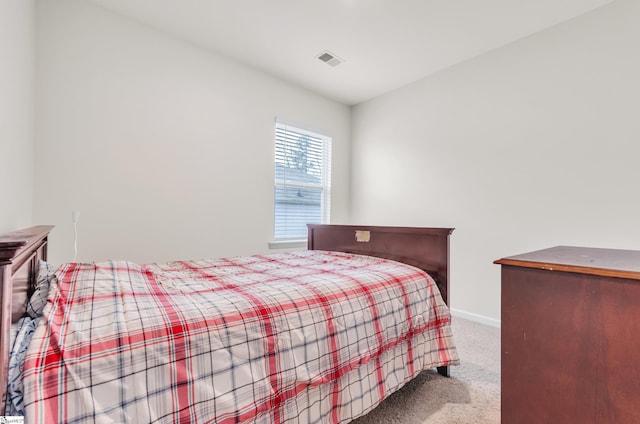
x=571 y=336
x=424 y=248
x=19 y=254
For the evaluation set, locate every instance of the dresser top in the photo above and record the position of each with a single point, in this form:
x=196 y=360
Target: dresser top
x=583 y=260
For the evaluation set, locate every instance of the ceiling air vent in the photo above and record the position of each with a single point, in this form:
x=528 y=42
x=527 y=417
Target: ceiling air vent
x=330 y=58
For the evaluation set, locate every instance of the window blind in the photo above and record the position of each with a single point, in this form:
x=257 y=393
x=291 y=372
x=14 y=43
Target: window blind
x=302 y=190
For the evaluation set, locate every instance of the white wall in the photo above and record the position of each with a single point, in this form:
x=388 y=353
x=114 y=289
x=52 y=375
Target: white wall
x=17 y=55
x=533 y=145
x=166 y=149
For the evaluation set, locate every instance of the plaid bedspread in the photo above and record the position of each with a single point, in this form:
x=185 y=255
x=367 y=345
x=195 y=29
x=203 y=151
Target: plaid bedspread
x=296 y=337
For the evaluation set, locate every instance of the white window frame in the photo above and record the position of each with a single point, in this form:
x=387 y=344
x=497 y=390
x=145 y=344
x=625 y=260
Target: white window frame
x=321 y=140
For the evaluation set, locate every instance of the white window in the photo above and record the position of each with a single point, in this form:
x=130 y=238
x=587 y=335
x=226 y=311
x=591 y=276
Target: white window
x=302 y=192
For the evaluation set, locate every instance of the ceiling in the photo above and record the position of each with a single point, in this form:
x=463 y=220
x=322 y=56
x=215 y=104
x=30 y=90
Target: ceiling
x=385 y=44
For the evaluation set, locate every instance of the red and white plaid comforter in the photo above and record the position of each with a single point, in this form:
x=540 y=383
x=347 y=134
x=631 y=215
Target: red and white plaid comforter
x=296 y=337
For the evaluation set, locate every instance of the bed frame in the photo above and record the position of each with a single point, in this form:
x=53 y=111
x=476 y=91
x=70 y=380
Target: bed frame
x=424 y=248
x=19 y=254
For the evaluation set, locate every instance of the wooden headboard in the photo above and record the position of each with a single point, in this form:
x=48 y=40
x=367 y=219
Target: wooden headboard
x=19 y=254
x=424 y=248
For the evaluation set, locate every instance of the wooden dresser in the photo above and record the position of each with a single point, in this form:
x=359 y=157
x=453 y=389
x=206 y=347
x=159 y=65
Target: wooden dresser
x=571 y=336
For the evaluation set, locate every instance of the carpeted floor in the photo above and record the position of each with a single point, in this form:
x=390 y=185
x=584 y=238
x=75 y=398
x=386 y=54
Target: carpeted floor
x=470 y=396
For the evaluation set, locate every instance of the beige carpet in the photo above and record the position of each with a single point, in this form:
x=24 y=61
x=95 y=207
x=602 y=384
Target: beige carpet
x=470 y=396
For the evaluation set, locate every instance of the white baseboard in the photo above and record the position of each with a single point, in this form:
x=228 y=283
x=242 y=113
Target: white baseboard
x=475 y=317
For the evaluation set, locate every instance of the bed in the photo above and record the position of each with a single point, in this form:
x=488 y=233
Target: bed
x=318 y=340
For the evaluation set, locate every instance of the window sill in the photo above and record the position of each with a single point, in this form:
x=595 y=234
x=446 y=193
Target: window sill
x=288 y=244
